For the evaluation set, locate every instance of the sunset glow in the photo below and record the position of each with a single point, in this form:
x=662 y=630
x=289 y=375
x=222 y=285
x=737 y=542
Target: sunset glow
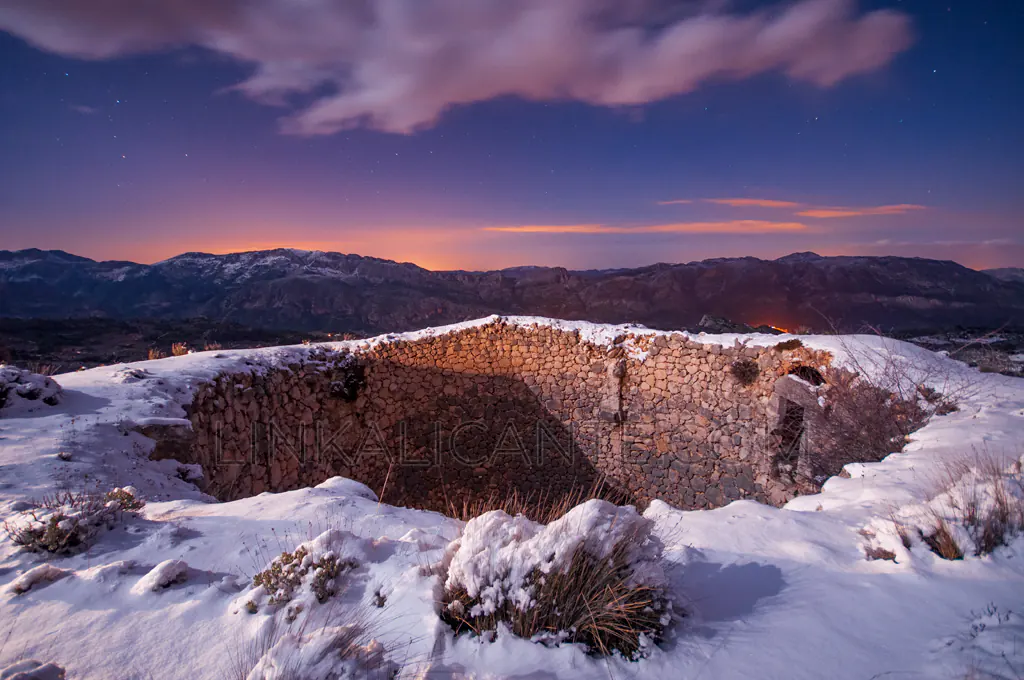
x=131 y=133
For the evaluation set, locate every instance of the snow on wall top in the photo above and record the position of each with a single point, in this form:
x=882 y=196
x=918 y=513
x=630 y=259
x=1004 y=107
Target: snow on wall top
x=168 y=384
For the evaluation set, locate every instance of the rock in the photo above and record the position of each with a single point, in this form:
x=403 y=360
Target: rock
x=30 y=669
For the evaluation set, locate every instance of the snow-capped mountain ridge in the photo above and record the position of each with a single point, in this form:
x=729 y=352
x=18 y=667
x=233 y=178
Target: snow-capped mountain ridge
x=326 y=291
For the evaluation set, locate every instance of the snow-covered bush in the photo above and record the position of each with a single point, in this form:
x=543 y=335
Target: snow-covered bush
x=17 y=383
x=594 y=577
x=126 y=497
x=312 y=568
x=331 y=653
x=67 y=522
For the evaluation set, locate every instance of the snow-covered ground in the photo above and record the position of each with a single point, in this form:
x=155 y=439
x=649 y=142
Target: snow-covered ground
x=765 y=592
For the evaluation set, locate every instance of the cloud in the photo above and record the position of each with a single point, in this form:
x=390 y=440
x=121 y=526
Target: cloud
x=681 y=201
x=753 y=203
x=87 y=110
x=730 y=227
x=828 y=213
x=398 y=65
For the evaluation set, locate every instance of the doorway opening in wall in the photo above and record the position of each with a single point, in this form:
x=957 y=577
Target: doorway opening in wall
x=790 y=433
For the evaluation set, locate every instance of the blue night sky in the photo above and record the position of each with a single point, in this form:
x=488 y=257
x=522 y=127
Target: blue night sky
x=580 y=133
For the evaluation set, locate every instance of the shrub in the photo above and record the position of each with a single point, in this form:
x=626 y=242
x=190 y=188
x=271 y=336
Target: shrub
x=211 y=346
x=67 y=522
x=745 y=371
x=348 y=377
x=312 y=566
x=861 y=422
x=155 y=353
x=787 y=345
x=592 y=577
x=179 y=349
x=126 y=498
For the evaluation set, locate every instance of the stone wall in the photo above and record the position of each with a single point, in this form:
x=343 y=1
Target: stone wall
x=483 y=411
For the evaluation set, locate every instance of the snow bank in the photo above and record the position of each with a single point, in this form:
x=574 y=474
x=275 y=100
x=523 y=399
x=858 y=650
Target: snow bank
x=333 y=652
x=772 y=593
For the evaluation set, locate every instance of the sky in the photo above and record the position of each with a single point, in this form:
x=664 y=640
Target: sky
x=498 y=133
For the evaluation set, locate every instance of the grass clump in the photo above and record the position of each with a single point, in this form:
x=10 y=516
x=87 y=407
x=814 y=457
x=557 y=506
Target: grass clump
x=179 y=349
x=592 y=577
x=982 y=508
x=544 y=506
x=942 y=542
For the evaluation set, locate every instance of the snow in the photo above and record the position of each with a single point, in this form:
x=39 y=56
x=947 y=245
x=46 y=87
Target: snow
x=496 y=553
x=162 y=576
x=768 y=593
x=35 y=576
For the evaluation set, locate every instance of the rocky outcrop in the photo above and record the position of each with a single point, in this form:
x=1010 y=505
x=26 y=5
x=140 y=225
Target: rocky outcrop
x=17 y=384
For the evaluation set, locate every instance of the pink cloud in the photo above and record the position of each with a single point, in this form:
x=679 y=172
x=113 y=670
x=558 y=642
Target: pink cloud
x=398 y=66
x=753 y=203
x=827 y=213
x=728 y=227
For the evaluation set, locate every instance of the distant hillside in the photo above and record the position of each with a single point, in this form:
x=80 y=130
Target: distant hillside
x=319 y=291
x=1007 y=273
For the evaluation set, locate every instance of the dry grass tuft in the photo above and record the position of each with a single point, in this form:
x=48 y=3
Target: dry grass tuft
x=210 y=346
x=787 y=345
x=179 y=349
x=592 y=601
x=942 y=542
x=155 y=353
x=986 y=499
x=543 y=507
x=877 y=553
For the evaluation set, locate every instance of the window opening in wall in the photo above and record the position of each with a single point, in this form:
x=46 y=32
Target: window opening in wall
x=808 y=374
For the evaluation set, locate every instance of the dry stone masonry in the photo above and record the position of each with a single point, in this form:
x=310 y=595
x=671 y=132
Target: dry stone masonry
x=446 y=419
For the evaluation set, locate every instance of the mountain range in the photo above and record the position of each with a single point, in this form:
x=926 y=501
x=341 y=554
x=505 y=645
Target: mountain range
x=326 y=291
